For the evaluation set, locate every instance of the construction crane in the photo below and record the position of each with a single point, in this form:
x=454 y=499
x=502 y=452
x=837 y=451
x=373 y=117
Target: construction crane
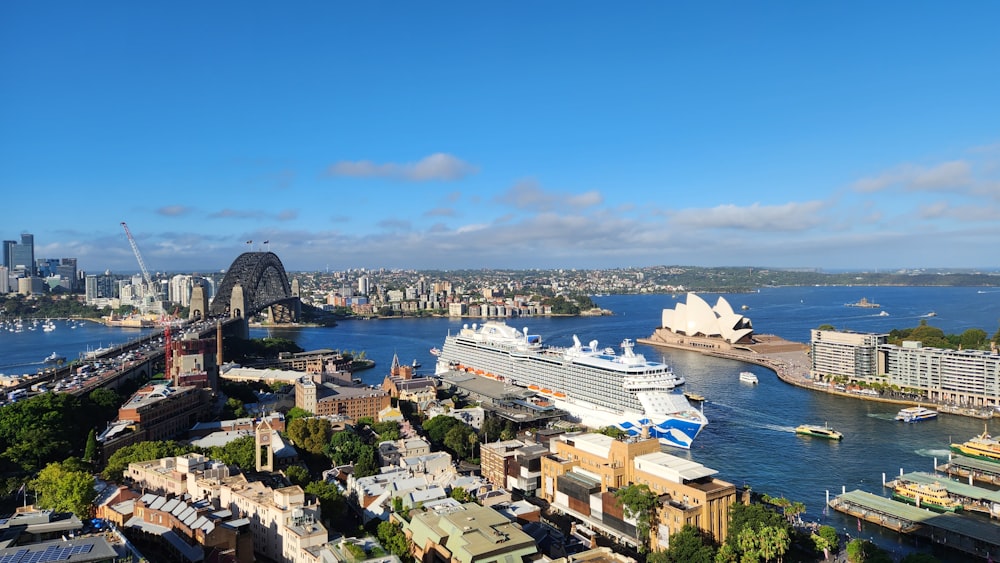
x=150 y=291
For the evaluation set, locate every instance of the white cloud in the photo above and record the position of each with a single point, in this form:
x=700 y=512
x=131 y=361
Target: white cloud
x=794 y=216
x=911 y=177
x=438 y=166
x=528 y=194
x=174 y=210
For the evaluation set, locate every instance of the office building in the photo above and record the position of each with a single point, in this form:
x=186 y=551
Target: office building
x=581 y=474
x=20 y=258
x=67 y=272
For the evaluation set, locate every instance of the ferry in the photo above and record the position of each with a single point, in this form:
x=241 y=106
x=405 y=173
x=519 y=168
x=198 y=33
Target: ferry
x=983 y=447
x=933 y=496
x=595 y=385
x=818 y=432
x=916 y=414
x=864 y=303
x=54 y=358
x=748 y=377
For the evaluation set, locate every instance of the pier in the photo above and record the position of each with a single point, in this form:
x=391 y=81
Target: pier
x=972 y=498
x=968 y=534
x=974 y=469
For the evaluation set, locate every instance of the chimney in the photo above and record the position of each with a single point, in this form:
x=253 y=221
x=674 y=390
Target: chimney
x=218 y=344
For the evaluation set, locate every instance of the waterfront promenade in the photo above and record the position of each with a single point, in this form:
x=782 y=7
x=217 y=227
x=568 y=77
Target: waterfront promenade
x=790 y=361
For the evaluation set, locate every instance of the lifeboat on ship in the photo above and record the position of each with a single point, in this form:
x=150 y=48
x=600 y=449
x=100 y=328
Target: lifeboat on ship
x=559 y=395
x=534 y=387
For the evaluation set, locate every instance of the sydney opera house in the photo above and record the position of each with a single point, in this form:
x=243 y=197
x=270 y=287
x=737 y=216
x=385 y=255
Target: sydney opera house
x=696 y=324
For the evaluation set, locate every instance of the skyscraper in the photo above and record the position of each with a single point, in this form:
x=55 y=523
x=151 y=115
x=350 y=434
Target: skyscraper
x=8 y=252
x=22 y=256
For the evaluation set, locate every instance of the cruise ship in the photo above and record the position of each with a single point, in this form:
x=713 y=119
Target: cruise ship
x=596 y=385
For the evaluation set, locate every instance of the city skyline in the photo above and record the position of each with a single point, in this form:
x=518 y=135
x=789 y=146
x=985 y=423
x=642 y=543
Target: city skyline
x=566 y=135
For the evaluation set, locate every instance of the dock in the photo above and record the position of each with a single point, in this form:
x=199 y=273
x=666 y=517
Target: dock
x=969 y=534
x=980 y=471
x=975 y=499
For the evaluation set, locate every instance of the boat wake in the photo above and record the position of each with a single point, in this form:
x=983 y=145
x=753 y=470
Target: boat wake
x=940 y=454
x=778 y=428
x=882 y=416
x=741 y=410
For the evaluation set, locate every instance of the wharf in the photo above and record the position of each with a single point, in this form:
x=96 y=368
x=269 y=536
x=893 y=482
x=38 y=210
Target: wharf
x=973 y=498
x=968 y=534
x=979 y=470
x=507 y=401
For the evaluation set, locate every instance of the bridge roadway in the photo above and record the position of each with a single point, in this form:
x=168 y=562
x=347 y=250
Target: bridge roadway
x=145 y=363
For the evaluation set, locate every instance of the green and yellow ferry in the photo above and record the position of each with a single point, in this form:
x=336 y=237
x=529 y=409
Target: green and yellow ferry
x=932 y=495
x=983 y=447
x=818 y=432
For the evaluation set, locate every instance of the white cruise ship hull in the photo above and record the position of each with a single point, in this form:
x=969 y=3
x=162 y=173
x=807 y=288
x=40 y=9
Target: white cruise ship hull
x=597 y=388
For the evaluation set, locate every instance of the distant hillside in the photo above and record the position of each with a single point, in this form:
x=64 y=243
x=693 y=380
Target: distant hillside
x=746 y=279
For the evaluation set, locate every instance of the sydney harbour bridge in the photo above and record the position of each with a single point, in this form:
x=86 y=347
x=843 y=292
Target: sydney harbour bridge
x=255 y=283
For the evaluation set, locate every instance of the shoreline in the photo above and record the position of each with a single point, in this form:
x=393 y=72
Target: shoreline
x=792 y=367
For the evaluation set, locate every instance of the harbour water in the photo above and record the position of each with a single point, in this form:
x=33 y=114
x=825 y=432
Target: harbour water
x=24 y=352
x=750 y=437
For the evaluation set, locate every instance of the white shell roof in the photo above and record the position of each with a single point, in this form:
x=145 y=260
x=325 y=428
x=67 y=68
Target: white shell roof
x=697 y=318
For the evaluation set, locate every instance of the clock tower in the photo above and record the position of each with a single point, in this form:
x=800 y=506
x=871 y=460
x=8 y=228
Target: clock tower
x=264 y=452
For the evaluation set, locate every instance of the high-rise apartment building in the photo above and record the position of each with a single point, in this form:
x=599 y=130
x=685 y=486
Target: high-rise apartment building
x=844 y=354
x=90 y=288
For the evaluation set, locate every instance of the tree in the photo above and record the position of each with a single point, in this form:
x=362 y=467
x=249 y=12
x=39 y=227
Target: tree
x=437 y=427
x=142 y=451
x=689 y=545
x=296 y=412
x=310 y=434
x=297 y=474
x=65 y=490
x=774 y=542
x=641 y=504
x=90 y=450
x=239 y=452
x=331 y=502
x=391 y=536
x=756 y=531
x=973 y=339
x=612 y=431
x=106 y=401
x=864 y=551
x=826 y=540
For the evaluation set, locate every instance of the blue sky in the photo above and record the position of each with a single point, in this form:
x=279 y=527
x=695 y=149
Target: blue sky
x=838 y=135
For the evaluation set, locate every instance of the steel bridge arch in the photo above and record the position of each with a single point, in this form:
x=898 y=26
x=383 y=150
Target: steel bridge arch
x=263 y=280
